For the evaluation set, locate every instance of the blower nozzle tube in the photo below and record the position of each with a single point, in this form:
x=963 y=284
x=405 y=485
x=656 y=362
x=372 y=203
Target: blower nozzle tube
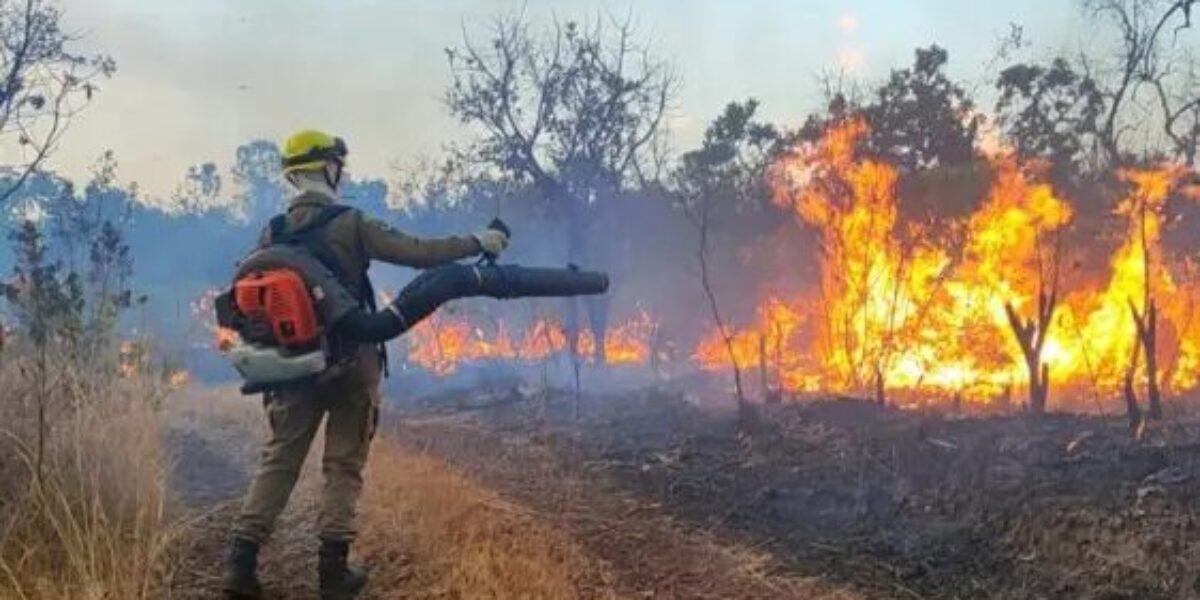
x=439 y=285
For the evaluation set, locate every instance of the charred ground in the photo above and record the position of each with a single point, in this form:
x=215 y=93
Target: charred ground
x=889 y=503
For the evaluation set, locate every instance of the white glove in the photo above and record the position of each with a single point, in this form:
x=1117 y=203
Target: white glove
x=491 y=241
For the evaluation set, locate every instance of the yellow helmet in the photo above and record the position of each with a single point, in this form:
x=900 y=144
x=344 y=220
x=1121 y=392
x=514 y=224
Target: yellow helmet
x=310 y=149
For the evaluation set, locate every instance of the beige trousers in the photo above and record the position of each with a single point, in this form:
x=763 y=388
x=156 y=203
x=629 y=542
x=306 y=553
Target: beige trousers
x=349 y=405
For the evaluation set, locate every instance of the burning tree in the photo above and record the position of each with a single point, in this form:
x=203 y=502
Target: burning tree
x=1143 y=208
x=875 y=278
x=1014 y=257
x=576 y=112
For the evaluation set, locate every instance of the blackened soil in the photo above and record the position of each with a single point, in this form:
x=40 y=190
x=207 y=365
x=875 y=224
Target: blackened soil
x=903 y=504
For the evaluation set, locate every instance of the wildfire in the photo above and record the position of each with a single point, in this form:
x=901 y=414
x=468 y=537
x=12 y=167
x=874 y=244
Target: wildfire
x=1104 y=322
x=224 y=339
x=898 y=309
x=203 y=310
x=442 y=344
x=178 y=378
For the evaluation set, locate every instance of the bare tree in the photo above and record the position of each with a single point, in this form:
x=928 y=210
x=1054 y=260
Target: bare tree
x=42 y=85
x=1181 y=111
x=725 y=176
x=1141 y=211
x=1132 y=410
x=577 y=111
x=1149 y=52
x=1033 y=332
x=700 y=213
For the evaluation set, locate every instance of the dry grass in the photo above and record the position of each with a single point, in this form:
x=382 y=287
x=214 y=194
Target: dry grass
x=460 y=540
x=89 y=521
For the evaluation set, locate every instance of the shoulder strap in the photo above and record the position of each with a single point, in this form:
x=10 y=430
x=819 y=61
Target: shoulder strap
x=328 y=214
x=309 y=236
x=279 y=228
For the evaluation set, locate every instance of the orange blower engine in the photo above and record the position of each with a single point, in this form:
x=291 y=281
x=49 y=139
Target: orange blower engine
x=282 y=339
x=277 y=307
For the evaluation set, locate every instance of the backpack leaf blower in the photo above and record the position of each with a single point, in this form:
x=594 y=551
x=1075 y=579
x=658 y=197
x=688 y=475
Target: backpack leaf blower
x=292 y=313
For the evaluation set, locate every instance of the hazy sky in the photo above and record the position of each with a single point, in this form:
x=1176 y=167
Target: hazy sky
x=198 y=77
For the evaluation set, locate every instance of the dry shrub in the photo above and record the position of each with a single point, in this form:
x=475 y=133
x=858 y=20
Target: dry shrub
x=463 y=541
x=83 y=500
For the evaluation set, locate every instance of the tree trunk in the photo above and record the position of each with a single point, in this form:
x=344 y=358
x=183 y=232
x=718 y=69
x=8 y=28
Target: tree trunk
x=578 y=253
x=1043 y=388
x=1132 y=410
x=571 y=324
x=1147 y=338
x=764 y=376
x=1153 y=396
x=1031 y=336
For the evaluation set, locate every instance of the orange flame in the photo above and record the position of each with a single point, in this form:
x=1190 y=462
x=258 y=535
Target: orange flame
x=441 y=344
x=897 y=308
x=179 y=378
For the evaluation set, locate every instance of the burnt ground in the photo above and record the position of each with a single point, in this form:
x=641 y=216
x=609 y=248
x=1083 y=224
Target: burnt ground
x=887 y=503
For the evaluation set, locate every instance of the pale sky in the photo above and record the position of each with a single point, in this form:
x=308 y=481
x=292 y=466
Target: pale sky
x=196 y=78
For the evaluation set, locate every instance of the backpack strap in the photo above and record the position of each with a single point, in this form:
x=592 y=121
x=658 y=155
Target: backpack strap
x=309 y=236
x=278 y=228
x=327 y=215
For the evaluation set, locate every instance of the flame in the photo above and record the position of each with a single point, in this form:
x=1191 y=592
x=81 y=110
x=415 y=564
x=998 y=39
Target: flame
x=441 y=344
x=1103 y=322
x=204 y=311
x=179 y=378
x=224 y=339
x=897 y=308
x=768 y=343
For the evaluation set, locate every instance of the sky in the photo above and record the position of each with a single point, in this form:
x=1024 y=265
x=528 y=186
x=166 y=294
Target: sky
x=196 y=78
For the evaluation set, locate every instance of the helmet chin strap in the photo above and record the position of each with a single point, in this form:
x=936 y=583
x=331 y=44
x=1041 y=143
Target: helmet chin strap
x=322 y=182
x=333 y=174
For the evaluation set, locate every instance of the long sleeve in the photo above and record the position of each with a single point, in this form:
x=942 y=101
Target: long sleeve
x=382 y=242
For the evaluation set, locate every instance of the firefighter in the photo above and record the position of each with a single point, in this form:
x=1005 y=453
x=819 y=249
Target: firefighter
x=313 y=163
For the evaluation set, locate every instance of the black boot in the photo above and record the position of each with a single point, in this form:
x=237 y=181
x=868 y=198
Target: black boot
x=339 y=581
x=241 y=579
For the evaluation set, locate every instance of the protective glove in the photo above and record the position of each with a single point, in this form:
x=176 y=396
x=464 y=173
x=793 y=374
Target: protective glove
x=491 y=241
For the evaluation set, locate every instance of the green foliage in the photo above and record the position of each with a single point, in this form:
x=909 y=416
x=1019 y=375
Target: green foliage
x=920 y=118
x=200 y=189
x=1049 y=111
x=726 y=177
x=69 y=289
x=47 y=302
x=258 y=175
